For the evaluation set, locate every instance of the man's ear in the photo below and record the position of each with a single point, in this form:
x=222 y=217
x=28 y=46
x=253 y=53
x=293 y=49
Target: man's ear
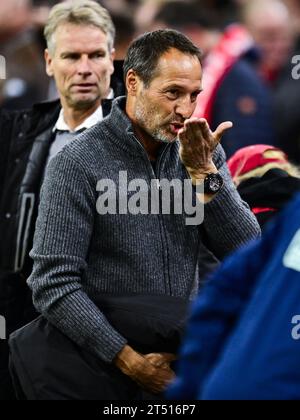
x=48 y=60
x=112 y=59
x=132 y=82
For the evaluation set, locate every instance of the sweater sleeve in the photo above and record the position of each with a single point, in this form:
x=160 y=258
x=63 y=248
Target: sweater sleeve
x=62 y=239
x=228 y=220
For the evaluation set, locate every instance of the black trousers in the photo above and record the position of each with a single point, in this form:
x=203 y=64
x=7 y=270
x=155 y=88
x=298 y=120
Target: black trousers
x=6 y=388
x=17 y=309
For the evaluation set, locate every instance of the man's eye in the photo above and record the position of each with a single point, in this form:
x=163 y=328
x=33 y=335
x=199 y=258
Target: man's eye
x=71 y=57
x=194 y=96
x=98 y=55
x=172 y=94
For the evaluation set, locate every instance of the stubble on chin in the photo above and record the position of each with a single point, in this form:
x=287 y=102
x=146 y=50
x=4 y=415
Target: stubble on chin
x=157 y=134
x=81 y=104
x=161 y=138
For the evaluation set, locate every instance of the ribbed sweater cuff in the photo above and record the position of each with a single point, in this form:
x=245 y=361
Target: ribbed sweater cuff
x=221 y=209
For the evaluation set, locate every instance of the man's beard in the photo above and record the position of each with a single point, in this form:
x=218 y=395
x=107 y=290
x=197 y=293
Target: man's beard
x=157 y=133
x=158 y=136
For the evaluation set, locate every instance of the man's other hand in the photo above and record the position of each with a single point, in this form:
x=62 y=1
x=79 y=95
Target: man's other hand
x=151 y=372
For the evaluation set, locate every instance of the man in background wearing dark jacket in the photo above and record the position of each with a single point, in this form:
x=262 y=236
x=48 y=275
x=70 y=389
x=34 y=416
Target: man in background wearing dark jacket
x=80 y=41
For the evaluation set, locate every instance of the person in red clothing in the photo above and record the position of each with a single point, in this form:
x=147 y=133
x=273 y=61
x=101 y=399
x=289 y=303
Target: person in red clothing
x=265 y=179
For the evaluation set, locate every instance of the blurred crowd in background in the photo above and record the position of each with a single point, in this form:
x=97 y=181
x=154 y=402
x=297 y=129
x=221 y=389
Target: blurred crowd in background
x=260 y=93
x=251 y=76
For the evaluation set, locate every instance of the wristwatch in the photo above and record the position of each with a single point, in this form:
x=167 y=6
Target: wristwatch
x=213 y=183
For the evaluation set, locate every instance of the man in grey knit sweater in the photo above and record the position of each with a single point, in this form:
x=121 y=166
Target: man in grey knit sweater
x=81 y=251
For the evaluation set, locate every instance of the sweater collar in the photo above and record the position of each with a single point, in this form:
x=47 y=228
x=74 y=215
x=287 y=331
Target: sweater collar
x=120 y=124
x=118 y=120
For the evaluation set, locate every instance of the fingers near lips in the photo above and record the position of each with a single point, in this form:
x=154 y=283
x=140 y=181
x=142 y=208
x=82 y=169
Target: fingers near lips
x=195 y=129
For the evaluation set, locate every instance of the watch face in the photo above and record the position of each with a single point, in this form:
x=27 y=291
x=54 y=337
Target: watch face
x=213 y=183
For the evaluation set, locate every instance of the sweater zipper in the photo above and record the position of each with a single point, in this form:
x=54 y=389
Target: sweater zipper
x=156 y=176
x=166 y=251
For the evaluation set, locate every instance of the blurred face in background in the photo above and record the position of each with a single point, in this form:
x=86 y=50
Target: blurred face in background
x=81 y=65
x=15 y=15
x=204 y=39
x=270 y=25
x=294 y=9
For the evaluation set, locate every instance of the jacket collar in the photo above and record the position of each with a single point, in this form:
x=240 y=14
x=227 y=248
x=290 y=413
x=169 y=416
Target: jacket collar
x=89 y=122
x=50 y=105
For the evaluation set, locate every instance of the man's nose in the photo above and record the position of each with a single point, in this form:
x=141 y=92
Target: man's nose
x=84 y=68
x=185 y=107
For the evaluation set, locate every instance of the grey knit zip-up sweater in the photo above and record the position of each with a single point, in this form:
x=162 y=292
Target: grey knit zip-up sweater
x=79 y=253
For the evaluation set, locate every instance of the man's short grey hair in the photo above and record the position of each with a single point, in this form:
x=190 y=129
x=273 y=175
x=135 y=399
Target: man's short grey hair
x=79 y=12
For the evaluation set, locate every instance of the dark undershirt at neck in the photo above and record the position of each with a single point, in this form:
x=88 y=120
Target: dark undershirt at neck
x=153 y=163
